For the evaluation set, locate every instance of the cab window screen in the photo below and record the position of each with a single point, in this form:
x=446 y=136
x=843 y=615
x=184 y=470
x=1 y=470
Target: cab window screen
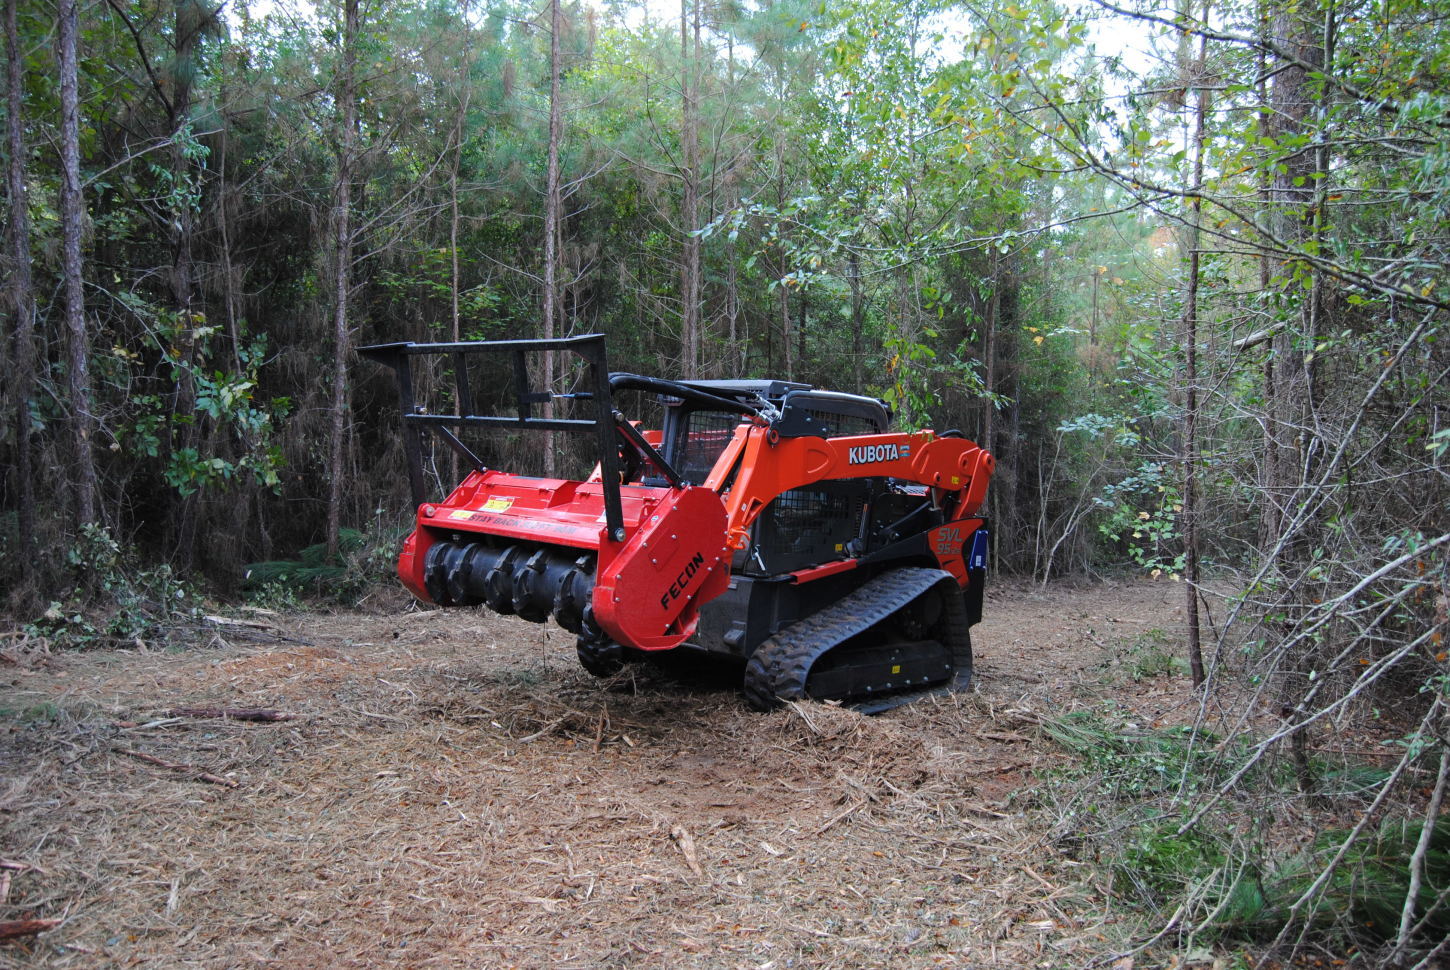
x=845 y=424
x=706 y=433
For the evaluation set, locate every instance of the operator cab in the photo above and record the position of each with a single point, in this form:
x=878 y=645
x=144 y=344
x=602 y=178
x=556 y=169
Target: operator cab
x=695 y=434
x=805 y=526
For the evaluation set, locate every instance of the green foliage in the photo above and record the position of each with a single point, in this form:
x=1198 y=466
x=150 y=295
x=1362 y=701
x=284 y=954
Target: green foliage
x=115 y=601
x=279 y=595
x=1133 y=761
x=1131 y=791
x=365 y=561
x=1154 y=654
x=312 y=569
x=1143 y=517
x=1247 y=890
x=222 y=400
x=1159 y=866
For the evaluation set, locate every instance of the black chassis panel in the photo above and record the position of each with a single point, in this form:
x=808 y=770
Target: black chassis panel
x=754 y=608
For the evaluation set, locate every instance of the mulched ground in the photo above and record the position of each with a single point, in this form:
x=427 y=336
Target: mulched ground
x=454 y=791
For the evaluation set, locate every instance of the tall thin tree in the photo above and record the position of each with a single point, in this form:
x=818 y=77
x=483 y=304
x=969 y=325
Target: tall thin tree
x=1292 y=32
x=1191 y=233
x=20 y=290
x=553 y=202
x=72 y=220
x=342 y=268
x=690 y=202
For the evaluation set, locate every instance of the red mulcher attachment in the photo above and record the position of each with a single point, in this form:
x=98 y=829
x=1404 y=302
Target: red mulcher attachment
x=631 y=562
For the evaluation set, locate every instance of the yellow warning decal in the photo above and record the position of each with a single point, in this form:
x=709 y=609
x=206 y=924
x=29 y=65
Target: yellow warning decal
x=460 y=514
x=896 y=668
x=497 y=504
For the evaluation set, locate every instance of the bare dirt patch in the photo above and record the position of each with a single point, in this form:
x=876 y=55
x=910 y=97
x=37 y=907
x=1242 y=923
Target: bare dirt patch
x=455 y=791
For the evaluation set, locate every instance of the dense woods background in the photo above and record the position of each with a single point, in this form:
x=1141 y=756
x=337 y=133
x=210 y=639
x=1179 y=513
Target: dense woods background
x=1191 y=290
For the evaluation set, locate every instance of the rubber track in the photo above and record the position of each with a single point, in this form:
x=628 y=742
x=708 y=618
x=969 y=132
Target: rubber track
x=598 y=654
x=780 y=666
x=602 y=658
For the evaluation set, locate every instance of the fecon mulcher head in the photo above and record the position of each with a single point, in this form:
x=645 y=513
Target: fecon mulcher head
x=765 y=521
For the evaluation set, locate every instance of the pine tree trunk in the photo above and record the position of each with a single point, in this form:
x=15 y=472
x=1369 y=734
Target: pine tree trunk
x=800 y=328
x=72 y=219
x=858 y=319
x=1268 y=525
x=21 y=288
x=989 y=356
x=552 y=204
x=736 y=356
x=342 y=273
x=785 y=329
x=181 y=229
x=455 y=329
x=1291 y=193
x=690 y=204
x=783 y=267
x=225 y=199
x=1190 y=410
x=738 y=353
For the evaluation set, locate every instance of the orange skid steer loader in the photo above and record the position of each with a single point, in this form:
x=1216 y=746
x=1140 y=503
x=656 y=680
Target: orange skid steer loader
x=770 y=522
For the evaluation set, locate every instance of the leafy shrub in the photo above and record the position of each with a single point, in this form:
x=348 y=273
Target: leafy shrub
x=311 y=570
x=1243 y=891
x=364 y=561
x=113 y=601
x=1126 y=800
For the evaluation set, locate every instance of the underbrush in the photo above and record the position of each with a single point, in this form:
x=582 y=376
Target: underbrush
x=112 y=600
x=364 y=563
x=1215 y=841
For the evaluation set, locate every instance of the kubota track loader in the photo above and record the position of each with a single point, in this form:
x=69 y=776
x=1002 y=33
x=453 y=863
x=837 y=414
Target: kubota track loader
x=766 y=521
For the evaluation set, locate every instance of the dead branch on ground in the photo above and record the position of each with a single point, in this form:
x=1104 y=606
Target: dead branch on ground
x=151 y=759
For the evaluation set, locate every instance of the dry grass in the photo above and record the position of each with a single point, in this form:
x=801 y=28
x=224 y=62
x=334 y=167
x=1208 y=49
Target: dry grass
x=456 y=792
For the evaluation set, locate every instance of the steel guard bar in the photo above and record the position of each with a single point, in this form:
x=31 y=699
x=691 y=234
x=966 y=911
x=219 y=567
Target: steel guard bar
x=590 y=347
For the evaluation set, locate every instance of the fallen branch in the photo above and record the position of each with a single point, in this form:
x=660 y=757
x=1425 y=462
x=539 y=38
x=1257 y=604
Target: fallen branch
x=14 y=929
x=25 y=650
x=849 y=809
x=151 y=759
x=8 y=866
x=232 y=713
x=1261 y=337
x=599 y=729
x=801 y=712
x=546 y=729
x=686 y=842
x=249 y=624
x=157 y=723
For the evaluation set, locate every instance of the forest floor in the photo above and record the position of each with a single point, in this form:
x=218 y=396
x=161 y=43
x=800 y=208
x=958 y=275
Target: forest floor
x=454 y=791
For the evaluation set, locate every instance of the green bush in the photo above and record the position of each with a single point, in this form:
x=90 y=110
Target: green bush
x=364 y=561
x=1126 y=799
x=112 y=600
x=311 y=570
